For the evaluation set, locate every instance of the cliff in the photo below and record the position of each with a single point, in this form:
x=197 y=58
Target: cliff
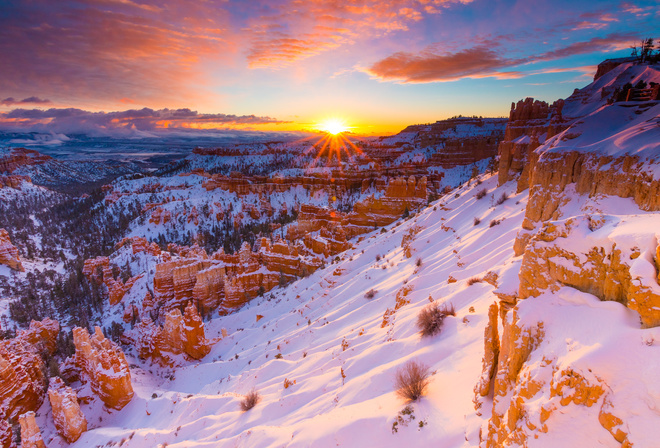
x=591 y=166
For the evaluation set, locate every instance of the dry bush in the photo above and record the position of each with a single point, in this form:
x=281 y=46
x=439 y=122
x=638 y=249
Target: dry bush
x=494 y=222
x=477 y=221
x=474 y=280
x=430 y=319
x=448 y=309
x=411 y=380
x=250 y=400
x=418 y=262
x=502 y=198
x=370 y=294
x=481 y=193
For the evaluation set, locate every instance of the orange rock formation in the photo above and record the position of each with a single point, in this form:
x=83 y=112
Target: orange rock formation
x=180 y=335
x=30 y=432
x=69 y=419
x=9 y=253
x=22 y=380
x=104 y=365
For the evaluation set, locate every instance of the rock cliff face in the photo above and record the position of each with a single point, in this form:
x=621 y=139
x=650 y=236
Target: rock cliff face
x=597 y=148
x=30 y=432
x=22 y=380
x=530 y=124
x=615 y=261
x=69 y=419
x=104 y=365
x=9 y=253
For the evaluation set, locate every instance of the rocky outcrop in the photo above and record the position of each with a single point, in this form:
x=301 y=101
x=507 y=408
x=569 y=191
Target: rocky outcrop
x=9 y=253
x=530 y=124
x=181 y=334
x=30 y=432
x=99 y=270
x=401 y=195
x=69 y=419
x=325 y=231
x=103 y=364
x=140 y=244
x=614 y=260
x=491 y=353
x=22 y=380
x=591 y=174
x=510 y=391
x=226 y=281
x=14 y=181
x=19 y=157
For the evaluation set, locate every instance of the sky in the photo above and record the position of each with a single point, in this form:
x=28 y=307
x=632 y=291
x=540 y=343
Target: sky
x=131 y=67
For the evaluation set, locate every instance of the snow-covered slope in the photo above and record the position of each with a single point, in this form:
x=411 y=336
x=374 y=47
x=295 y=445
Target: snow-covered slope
x=341 y=350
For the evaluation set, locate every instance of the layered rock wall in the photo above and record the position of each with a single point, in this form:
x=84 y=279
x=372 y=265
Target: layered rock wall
x=22 y=380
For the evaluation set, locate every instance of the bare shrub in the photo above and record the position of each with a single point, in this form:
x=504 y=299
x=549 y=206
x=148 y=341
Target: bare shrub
x=418 y=262
x=477 y=221
x=474 y=280
x=370 y=294
x=378 y=257
x=430 y=319
x=250 y=400
x=448 y=309
x=502 y=198
x=481 y=193
x=494 y=222
x=412 y=380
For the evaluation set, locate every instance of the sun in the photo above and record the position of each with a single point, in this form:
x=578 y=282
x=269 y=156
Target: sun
x=333 y=126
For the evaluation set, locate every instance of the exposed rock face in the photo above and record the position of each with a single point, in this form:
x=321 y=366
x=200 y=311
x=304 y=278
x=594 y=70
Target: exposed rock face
x=530 y=124
x=22 y=381
x=30 y=432
x=226 y=281
x=611 y=264
x=69 y=419
x=400 y=195
x=13 y=181
x=180 y=335
x=591 y=173
x=103 y=363
x=516 y=345
x=9 y=253
x=491 y=352
x=19 y=157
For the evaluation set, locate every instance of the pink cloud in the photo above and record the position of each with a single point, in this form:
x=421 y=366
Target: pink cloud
x=480 y=61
